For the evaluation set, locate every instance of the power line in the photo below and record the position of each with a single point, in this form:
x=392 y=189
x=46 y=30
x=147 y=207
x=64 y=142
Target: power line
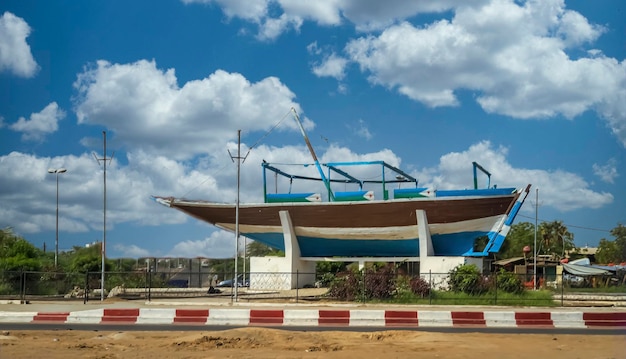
x=571 y=225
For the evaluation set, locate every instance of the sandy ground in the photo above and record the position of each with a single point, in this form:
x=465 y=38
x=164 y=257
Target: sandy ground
x=277 y=343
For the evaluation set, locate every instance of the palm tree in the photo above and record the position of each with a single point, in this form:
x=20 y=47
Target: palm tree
x=555 y=239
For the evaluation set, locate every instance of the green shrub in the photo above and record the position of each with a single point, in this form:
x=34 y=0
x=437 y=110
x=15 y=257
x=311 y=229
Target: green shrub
x=508 y=282
x=468 y=279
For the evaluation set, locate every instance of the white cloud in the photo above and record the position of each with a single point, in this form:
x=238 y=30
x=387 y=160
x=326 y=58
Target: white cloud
x=251 y=10
x=332 y=66
x=562 y=190
x=271 y=28
x=220 y=244
x=366 y=15
x=40 y=124
x=606 y=172
x=362 y=130
x=132 y=251
x=513 y=56
x=145 y=108
x=15 y=55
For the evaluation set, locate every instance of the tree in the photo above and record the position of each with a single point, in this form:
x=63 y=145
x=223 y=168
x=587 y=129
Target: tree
x=554 y=238
x=613 y=251
x=520 y=235
x=18 y=254
x=88 y=259
x=258 y=249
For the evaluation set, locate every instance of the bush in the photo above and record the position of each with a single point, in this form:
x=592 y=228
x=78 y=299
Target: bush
x=374 y=282
x=467 y=279
x=508 y=282
x=420 y=287
x=345 y=286
x=379 y=282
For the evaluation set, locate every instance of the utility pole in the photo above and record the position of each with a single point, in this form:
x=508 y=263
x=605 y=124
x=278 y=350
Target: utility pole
x=104 y=160
x=535 y=246
x=239 y=162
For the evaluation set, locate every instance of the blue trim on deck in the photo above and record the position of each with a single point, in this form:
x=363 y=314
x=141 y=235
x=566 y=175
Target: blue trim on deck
x=456 y=244
x=475 y=192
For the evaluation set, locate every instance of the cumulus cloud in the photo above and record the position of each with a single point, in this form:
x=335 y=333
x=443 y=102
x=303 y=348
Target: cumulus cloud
x=15 y=55
x=560 y=189
x=40 y=124
x=606 y=172
x=331 y=66
x=361 y=130
x=366 y=15
x=146 y=109
x=513 y=56
x=132 y=251
x=220 y=244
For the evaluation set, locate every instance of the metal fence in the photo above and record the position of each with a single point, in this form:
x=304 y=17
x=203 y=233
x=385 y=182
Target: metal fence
x=498 y=288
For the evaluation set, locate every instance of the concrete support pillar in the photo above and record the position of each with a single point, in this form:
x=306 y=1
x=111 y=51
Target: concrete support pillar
x=425 y=242
x=292 y=249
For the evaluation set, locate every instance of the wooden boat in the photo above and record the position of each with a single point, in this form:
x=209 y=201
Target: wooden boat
x=466 y=222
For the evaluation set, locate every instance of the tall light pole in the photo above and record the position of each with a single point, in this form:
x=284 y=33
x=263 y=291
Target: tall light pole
x=57 y=171
x=535 y=245
x=104 y=160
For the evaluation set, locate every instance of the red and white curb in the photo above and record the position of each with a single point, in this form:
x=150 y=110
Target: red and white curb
x=319 y=317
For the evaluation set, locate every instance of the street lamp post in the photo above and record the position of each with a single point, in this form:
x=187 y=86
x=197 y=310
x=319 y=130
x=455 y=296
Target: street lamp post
x=57 y=171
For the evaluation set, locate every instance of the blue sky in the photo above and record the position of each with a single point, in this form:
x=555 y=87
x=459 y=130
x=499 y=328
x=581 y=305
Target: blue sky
x=534 y=91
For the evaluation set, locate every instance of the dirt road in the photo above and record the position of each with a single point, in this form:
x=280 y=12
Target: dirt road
x=278 y=344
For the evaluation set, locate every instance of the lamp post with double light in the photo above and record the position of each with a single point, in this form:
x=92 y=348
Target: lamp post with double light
x=57 y=171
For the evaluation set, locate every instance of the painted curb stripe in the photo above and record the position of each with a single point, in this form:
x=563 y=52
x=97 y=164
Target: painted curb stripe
x=51 y=317
x=468 y=318
x=334 y=317
x=120 y=315
x=605 y=319
x=400 y=318
x=191 y=316
x=325 y=317
x=533 y=319
x=266 y=317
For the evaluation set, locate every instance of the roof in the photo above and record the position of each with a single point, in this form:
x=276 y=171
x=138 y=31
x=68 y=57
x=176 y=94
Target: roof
x=503 y=262
x=583 y=270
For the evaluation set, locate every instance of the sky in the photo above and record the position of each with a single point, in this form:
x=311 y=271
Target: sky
x=533 y=91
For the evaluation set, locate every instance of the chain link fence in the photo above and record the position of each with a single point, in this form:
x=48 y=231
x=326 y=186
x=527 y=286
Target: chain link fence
x=497 y=288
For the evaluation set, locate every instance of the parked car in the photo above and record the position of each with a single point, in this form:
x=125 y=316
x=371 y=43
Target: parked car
x=229 y=282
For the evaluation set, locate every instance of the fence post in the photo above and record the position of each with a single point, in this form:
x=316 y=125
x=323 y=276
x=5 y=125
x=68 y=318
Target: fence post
x=86 y=294
x=430 y=284
x=297 y=286
x=363 y=279
x=149 y=284
x=562 y=287
x=22 y=286
x=495 y=302
x=199 y=274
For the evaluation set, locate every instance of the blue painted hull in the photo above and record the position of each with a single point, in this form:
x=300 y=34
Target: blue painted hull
x=455 y=244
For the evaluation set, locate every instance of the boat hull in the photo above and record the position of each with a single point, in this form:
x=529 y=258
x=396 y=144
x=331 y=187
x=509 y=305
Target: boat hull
x=364 y=229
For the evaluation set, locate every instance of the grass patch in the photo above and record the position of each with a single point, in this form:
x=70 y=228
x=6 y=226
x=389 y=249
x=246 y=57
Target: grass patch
x=540 y=298
x=620 y=289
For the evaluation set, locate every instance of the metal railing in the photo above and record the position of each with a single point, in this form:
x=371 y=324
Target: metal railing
x=498 y=288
